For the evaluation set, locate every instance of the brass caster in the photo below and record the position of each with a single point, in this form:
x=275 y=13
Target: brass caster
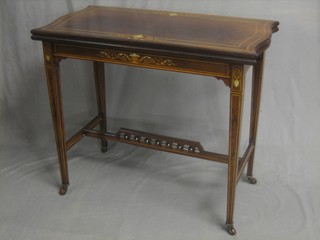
x=104 y=147
x=251 y=180
x=63 y=189
x=230 y=229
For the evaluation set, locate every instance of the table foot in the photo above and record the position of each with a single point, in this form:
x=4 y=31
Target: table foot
x=251 y=180
x=63 y=189
x=230 y=229
x=104 y=147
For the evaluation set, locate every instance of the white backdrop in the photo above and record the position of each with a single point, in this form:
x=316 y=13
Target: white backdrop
x=133 y=193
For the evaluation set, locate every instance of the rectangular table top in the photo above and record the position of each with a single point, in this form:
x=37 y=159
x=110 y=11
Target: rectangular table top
x=160 y=30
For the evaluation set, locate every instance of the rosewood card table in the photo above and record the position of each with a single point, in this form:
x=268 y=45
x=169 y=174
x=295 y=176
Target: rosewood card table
x=216 y=46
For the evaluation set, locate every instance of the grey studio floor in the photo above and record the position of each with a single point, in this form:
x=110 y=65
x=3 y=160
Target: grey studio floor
x=131 y=193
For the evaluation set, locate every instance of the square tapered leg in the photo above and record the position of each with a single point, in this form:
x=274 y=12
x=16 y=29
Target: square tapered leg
x=55 y=97
x=99 y=76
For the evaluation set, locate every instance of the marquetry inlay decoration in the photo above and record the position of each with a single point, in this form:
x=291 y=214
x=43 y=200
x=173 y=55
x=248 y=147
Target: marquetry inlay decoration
x=236 y=76
x=134 y=37
x=137 y=58
x=48 y=58
x=236 y=83
x=47 y=52
x=138 y=36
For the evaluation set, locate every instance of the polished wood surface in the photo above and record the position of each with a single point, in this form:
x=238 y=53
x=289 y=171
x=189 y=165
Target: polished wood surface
x=197 y=33
x=221 y=47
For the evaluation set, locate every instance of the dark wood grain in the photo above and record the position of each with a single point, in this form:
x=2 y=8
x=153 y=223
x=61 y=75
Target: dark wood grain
x=221 y=47
x=197 y=33
x=55 y=96
x=235 y=118
x=99 y=76
x=255 y=107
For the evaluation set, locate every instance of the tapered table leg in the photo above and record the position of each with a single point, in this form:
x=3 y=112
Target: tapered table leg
x=255 y=108
x=54 y=89
x=235 y=117
x=99 y=76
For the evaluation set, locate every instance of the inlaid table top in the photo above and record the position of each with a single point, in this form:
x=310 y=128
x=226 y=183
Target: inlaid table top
x=169 y=31
x=221 y=47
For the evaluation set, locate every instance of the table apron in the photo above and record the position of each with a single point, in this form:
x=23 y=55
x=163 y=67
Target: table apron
x=145 y=60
